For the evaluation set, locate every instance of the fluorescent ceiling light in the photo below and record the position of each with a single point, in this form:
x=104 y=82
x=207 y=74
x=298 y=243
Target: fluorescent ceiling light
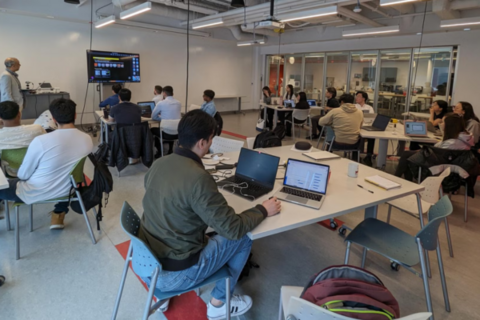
x=209 y=23
x=105 y=21
x=146 y=6
x=251 y=42
x=308 y=14
x=392 y=2
x=460 y=22
x=371 y=31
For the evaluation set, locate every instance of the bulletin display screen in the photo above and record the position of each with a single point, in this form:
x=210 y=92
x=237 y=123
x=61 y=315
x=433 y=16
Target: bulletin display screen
x=109 y=67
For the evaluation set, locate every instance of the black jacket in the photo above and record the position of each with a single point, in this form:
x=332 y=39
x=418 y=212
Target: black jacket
x=131 y=141
x=430 y=156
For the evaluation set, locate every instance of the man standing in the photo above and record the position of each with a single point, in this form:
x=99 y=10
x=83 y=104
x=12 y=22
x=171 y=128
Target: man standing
x=10 y=86
x=181 y=201
x=332 y=103
x=113 y=99
x=209 y=106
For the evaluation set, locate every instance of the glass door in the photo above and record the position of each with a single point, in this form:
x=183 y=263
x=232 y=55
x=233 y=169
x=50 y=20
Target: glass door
x=294 y=65
x=363 y=74
x=313 y=76
x=274 y=74
x=337 y=72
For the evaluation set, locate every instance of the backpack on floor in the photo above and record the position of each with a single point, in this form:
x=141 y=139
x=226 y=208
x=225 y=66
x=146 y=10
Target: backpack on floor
x=92 y=195
x=280 y=131
x=267 y=139
x=352 y=292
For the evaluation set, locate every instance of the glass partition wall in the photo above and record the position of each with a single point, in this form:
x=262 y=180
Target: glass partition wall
x=396 y=81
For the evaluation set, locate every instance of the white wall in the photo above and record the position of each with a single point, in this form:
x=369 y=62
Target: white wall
x=54 y=51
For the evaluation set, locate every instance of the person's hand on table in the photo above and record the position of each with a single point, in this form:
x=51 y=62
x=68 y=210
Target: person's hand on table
x=273 y=206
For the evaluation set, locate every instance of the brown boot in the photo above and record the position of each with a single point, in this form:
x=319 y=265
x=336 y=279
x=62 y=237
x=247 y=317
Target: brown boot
x=57 y=220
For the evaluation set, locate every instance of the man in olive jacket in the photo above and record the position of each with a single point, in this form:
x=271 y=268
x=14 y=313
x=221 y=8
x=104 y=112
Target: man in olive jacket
x=181 y=201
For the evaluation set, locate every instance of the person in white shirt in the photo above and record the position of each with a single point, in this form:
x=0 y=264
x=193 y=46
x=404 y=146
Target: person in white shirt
x=45 y=171
x=168 y=109
x=10 y=86
x=361 y=98
x=14 y=135
x=157 y=95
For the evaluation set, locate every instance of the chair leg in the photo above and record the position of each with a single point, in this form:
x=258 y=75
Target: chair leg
x=466 y=203
x=151 y=291
x=31 y=218
x=425 y=278
x=122 y=282
x=442 y=277
x=389 y=213
x=85 y=215
x=420 y=216
x=364 y=257
x=161 y=142
x=227 y=287
x=7 y=216
x=280 y=309
x=449 y=237
x=17 y=232
x=347 y=252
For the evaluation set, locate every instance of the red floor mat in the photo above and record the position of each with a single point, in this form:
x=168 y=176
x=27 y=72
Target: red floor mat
x=326 y=223
x=234 y=135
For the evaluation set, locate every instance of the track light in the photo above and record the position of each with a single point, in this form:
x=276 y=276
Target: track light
x=459 y=22
x=105 y=21
x=308 y=14
x=370 y=31
x=250 y=43
x=392 y=2
x=209 y=23
x=146 y=6
x=238 y=3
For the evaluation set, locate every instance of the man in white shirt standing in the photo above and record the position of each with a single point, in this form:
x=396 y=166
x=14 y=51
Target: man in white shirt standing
x=45 y=171
x=157 y=94
x=10 y=86
x=361 y=99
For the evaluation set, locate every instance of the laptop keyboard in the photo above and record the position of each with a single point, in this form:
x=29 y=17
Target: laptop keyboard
x=303 y=194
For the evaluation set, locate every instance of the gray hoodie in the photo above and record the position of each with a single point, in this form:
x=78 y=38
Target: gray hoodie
x=463 y=142
x=345 y=122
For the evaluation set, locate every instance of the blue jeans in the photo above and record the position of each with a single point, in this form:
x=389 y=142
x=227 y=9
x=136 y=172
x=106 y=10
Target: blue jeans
x=218 y=252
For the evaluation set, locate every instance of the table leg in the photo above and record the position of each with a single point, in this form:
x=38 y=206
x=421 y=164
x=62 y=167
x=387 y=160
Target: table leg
x=101 y=132
x=275 y=118
x=401 y=148
x=239 y=99
x=382 y=153
x=106 y=132
x=371 y=212
x=265 y=117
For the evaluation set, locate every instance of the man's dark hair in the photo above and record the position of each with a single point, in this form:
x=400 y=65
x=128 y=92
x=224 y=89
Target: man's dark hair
x=63 y=110
x=9 y=110
x=346 y=98
x=302 y=96
x=125 y=94
x=158 y=89
x=364 y=95
x=195 y=126
x=209 y=93
x=116 y=87
x=333 y=91
x=168 y=90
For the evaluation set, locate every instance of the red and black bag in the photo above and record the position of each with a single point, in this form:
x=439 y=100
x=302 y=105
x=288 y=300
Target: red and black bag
x=352 y=292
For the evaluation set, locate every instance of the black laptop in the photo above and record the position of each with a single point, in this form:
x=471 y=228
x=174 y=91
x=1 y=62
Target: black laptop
x=255 y=175
x=380 y=123
x=146 y=108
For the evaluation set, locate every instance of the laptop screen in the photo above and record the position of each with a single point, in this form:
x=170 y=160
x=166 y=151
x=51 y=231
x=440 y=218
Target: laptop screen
x=150 y=104
x=307 y=175
x=415 y=127
x=312 y=103
x=289 y=104
x=257 y=167
x=381 y=121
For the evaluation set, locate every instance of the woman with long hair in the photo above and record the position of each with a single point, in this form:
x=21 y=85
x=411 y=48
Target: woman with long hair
x=289 y=93
x=472 y=123
x=267 y=99
x=301 y=104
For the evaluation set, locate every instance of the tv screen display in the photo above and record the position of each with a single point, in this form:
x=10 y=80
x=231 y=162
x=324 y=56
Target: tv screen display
x=108 y=67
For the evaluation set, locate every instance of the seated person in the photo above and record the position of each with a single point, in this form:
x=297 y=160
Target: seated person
x=455 y=137
x=181 y=201
x=125 y=112
x=112 y=100
x=157 y=95
x=267 y=99
x=168 y=109
x=14 y=135
x=361 y=98
x=301 y=104
x=209 y=105
x=472 y=123
x=45 y=171
x=46 y=121
x=332 y=103
x=438 y=110
x=346 y=122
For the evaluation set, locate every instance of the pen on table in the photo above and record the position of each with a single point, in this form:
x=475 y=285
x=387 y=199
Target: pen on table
x=365 y=188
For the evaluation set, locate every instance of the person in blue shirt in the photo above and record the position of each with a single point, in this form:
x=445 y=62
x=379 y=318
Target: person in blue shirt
x=112 y=100
x=209 y=105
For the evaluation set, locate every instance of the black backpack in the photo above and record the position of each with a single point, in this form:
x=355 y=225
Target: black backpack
x=280 y=131
x=102 y=182
x=267 y=139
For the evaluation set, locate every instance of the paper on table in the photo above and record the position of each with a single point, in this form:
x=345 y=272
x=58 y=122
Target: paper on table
x=382 y=182
x=321 y=155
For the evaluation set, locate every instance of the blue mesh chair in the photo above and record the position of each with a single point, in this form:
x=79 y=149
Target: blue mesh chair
x=404 y=249
x=329 y=144
x=145 y=264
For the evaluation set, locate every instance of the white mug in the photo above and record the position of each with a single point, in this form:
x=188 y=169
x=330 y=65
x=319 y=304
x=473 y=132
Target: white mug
x=353 y=170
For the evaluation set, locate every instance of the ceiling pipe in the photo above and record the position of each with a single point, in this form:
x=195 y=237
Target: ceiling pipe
x=375 y=9
x=464 y=4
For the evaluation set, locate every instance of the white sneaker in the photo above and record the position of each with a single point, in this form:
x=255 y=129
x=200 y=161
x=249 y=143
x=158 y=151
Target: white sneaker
x=238 y=306
x=164 y=306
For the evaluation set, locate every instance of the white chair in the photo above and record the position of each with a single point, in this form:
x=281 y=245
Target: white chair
x=302 y=116
x=250 y=142
x=170 y=127
x=224 y=145
x=429 y=197
x=296 y=308
x=193 y=107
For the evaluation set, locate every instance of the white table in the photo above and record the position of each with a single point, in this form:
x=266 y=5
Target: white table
x=238 y=98
x=418 y=115
x=105 y=123
x=277 y=109
x=393 y=134
x=3 y=181
x=343 y=195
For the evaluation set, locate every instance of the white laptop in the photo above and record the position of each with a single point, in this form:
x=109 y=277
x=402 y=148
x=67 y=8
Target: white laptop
x=415 y=128
x=305 y=183
x=275 y=101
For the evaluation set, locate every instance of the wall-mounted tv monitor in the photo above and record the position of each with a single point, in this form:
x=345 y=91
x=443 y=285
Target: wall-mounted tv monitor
x=109 y=67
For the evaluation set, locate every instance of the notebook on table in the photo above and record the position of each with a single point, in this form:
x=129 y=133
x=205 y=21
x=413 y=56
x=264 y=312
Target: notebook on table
x=321 y=155
x=382 y=182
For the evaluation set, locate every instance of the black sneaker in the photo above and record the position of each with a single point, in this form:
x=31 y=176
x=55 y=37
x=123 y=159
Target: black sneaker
x=368 y=161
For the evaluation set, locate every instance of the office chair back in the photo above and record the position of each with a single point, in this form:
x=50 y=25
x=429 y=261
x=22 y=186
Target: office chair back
x=429 y=234
x=224 y=145
x=143 y=260
x=14 y=157
x=170 y=126
x=77 y=171
x=432 y=186
x=301 y=114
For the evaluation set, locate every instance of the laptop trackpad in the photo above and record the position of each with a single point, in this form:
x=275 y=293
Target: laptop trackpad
x=296 y=199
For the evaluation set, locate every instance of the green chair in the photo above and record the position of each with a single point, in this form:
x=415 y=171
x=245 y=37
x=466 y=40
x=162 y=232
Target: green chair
x=76 y=177
x=14 y=157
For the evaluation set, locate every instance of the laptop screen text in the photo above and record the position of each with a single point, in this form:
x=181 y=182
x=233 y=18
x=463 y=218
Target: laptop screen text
x=308 y=176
